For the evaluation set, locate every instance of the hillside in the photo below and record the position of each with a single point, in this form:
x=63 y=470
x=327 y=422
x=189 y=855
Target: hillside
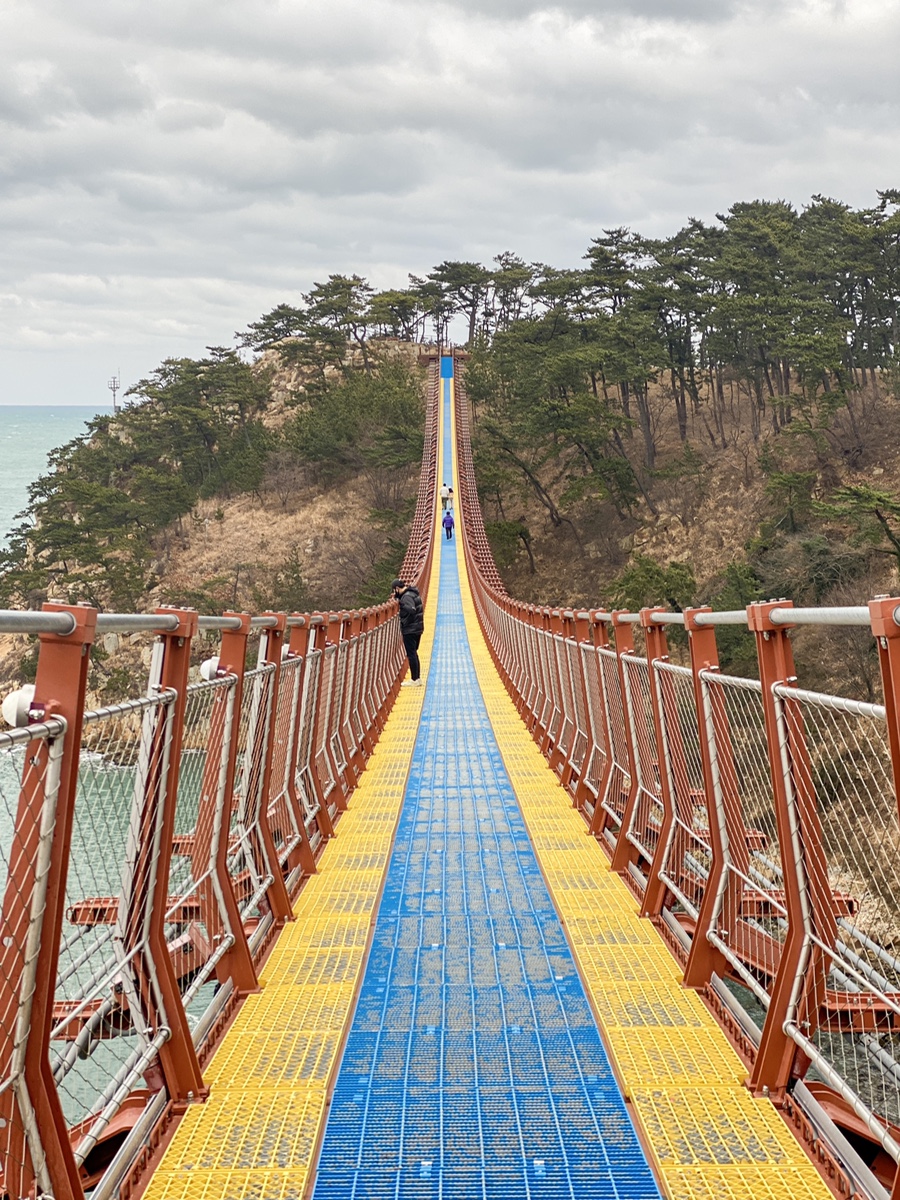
x=705 y=418
x=776 y=515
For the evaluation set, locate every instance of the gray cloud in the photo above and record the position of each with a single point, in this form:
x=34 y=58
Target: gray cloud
x=170 y=171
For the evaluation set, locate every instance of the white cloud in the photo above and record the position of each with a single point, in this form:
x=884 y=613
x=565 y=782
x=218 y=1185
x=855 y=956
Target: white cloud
x=170 y=171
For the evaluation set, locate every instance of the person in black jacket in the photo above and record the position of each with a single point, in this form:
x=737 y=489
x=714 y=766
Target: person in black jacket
x=412 y=626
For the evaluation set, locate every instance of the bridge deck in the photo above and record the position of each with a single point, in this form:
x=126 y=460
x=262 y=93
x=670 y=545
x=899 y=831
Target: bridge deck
x=473 y=1064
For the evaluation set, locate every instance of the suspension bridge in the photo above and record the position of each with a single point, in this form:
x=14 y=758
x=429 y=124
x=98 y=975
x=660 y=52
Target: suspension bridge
x=572 y=920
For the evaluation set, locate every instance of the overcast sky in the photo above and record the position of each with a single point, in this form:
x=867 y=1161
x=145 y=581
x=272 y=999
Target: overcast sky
x=171 y=170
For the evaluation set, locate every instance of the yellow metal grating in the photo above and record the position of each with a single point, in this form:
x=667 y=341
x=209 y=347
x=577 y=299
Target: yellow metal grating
x=689 y=1126
x=348 y=902
x=280 y=1006
x=649 y=1002
x=275 y=1059
x=229 y=1185
x=243 y=1129
x=318 y=966
x=345 y=860
x=674 y=1056
x=744 y=1183
x=302 y=935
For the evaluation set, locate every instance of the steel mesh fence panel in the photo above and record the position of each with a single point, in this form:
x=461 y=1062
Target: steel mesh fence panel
x=364 y=711
x=322 y=758
x=338 y=709
x=648 y=811
x=542 y=700
x=750 y=920
x=519 y=663
x=198 y=931
x=283 y=820
x=388 y=656
x=845 y=773
x=619 y=783
x=105 y=1032
x=551 y=713
x=563 y=706
x=30 y=761
x=248 y=866
x=304 y=781
x=532 y=678
x=355 y=726
x=507 y=643
x=576 y=665
x=688 y=858
x=596 y=720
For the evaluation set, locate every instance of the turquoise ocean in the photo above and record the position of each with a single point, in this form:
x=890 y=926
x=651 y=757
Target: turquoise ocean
x=27 y=435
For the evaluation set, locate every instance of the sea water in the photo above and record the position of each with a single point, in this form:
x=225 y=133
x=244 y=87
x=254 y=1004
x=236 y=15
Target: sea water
x=27 y=435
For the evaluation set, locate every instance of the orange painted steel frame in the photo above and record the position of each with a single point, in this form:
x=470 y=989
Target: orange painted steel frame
x=514 y=633
x=60 y=688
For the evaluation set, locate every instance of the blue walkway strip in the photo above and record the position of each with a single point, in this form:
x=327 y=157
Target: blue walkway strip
x=473 y=1067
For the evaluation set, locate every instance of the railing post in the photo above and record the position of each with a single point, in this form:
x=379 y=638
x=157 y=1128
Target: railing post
x=625 y=852
x=272 y=642
x=148 y=895
x=60 y=689
x=718 y=780
x=800 y=982
x=238 y=963
x=658 y=651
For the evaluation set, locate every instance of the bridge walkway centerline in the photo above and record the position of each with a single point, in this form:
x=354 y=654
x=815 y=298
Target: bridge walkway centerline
x=473 y=1064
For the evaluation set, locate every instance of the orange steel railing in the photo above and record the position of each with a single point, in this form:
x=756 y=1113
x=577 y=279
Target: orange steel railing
x=150 y=850
x=755 y=822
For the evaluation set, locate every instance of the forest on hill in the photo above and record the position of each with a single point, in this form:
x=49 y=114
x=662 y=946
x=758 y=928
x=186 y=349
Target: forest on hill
x=708 y=417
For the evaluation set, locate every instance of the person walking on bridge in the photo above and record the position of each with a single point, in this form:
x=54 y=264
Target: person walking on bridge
x=445 y=497
x=448 y=524
x=412 y=626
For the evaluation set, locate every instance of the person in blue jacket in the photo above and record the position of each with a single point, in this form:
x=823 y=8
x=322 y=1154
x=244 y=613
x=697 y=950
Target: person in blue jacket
x=448 y=524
